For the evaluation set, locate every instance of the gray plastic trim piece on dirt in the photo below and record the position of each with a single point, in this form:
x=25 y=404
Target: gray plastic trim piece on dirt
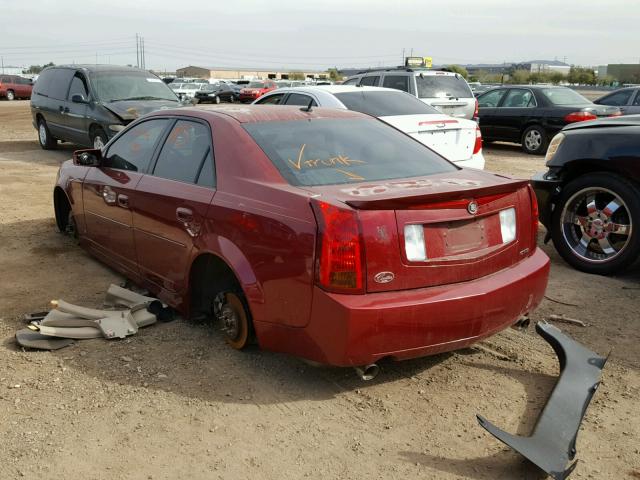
x=29 y=339
x=553 y=442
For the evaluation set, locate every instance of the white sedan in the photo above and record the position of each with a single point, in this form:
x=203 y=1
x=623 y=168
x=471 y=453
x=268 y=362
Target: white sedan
x=457 y=139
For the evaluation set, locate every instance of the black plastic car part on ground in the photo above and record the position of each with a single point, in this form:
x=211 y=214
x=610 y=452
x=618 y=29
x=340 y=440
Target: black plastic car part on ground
x=89 y=104
x=553 y=442
x=589 y=198
x=531 y=114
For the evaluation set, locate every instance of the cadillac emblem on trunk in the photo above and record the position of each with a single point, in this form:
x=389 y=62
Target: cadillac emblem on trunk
x=472 y=208
x=384 y=277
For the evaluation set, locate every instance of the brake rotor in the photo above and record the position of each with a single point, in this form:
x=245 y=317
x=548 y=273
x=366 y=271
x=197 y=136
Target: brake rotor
x=235 y=323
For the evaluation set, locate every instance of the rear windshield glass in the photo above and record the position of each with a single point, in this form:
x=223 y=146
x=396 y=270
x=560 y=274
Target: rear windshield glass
x=336 y=151
x=564 y=96
x=381 y=104
x=257 y=85
x=442 y=86
x=112 y=86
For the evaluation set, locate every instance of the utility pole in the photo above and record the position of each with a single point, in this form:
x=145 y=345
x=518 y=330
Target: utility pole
x=137 y=52
x=402 y=63
x=2 y=60
x=144 y=60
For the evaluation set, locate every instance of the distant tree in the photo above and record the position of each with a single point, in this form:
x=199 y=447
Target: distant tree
x=485 y=77
x=296 y=76
x=539 y=77
x=581 y=76
x=334 y=75
x=35 y=69
x=556 y=77
x=519 y=77
x=458 y=69
x=606 y=81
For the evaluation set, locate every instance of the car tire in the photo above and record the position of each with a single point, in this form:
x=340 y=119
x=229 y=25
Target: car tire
x=587 y=211
x=534 y=140
x=45 y=139
x=11 y=95
x=217 y=99
x=98 y=138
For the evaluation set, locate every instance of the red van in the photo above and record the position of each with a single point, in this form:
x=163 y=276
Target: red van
x=14 y=86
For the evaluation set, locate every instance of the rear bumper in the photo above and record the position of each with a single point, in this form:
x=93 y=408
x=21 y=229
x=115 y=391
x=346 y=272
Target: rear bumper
x=545 y=191
x=350 y=330
x=476 y=161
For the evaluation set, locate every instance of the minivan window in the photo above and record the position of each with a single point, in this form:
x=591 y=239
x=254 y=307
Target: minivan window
x=382 y=104
x=442 y=86
x=134 y=148
x=184 y=152
x=78 y=87
x=337 y=151
x=113 y=86
x=54 y=82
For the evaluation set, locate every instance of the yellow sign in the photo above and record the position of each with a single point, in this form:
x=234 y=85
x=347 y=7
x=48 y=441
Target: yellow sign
x=428 y=62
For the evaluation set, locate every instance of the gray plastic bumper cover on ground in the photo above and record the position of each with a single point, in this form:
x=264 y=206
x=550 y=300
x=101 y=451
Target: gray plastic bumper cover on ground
x=553 y=442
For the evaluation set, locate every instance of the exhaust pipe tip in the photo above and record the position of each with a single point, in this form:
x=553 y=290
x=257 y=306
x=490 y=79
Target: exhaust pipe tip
x=367 y=372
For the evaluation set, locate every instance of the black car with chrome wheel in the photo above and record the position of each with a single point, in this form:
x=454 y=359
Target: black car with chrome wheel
x=589 y=198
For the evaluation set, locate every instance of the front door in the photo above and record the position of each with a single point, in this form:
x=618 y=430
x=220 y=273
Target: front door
x=171 y=203
x=487 y=103
x=108 y=193
x=77 y=124
x=515 y=111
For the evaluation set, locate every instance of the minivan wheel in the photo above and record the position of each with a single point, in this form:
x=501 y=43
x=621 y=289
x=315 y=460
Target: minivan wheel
x=534 y=140
x=11 y=95
x=99 y=139
x=595 y=223
x=46 y=140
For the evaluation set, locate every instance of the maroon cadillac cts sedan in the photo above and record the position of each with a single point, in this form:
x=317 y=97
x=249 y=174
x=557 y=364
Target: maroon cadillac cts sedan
x=325 y=234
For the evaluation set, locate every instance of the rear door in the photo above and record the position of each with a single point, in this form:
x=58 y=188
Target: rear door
x=370 y=81
x=634 y=108
x=171 y=203
x=397 y=82
x=107 y=192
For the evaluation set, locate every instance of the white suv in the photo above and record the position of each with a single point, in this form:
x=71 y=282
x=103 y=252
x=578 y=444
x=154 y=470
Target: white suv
x=448 y=92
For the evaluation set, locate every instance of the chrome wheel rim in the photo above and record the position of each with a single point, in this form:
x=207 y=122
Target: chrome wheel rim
x=98 y=143
x=217 y=99
x=10 y=96
x=533 y=139
x=42 y=134
x=596 y=225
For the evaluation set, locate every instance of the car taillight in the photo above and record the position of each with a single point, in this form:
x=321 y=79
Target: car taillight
x=534 y=217
x=476 y=111
x=579 y=117
x=339 y=257
x=478 y=145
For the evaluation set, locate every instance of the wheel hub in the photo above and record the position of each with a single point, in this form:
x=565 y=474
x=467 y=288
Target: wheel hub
x=230 y=321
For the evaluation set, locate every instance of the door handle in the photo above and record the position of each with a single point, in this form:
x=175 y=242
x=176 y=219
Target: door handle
x=184 y=215
x=63 y=109
x=123 y=201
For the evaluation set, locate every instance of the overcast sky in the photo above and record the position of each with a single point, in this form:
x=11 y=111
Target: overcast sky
x=299 y=34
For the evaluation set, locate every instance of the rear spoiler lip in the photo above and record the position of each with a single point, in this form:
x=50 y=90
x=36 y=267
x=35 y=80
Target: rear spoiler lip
x=404 y=202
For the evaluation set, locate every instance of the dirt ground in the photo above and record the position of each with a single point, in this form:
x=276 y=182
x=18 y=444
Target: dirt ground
x=174 y=402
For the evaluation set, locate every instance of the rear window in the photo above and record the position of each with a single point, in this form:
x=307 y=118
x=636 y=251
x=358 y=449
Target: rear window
x=442 y=86
x=337 y=151
x=383 y=104
x=564 y=96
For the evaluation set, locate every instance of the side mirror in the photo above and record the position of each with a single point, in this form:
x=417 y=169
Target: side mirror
x=77 y=98
x=88 y=158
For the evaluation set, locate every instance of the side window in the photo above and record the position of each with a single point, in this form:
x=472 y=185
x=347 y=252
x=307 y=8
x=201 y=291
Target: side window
x=617 y=99
x=299 y=99
x=399 y=82
x=184 y=152
x=59 y=83
x=133 y=150
x=636 y=102
x=491 y=99
x=271 y=99
x=78 y=87
x=370 y=81
x=207 y=176
x=519 y=98
x=351 y=81
x=41 y=86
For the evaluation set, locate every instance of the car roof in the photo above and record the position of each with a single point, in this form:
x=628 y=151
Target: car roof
x=101 y=68
x=262 y=113
x=339 y=89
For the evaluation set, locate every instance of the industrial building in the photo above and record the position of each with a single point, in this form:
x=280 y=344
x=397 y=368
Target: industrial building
x=193 y=71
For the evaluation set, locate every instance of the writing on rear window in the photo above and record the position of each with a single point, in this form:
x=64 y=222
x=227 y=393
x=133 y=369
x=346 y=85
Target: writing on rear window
x=334 y=151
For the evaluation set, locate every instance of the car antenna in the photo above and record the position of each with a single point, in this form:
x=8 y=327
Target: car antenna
x=308 y=107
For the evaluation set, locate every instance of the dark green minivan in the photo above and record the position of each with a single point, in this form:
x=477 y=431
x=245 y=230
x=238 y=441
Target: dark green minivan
x=89 y=104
